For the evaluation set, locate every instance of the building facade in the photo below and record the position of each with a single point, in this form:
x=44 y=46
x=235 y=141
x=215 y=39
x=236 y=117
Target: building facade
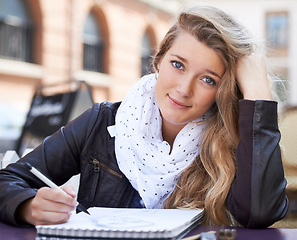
x=102 y=42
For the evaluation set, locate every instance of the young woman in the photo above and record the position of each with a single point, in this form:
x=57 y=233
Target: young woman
x=199 y=133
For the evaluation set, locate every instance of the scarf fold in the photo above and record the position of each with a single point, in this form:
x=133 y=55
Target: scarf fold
x=141 y=153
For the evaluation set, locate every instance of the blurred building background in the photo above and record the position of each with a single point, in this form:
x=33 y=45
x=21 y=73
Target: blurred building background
x=108 y=44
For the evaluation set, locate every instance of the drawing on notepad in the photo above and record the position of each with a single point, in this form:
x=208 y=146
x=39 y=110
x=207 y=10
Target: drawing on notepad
x=114 y=222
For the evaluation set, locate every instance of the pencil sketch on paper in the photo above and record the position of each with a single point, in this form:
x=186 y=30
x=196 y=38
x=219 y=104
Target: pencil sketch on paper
x=119 y=223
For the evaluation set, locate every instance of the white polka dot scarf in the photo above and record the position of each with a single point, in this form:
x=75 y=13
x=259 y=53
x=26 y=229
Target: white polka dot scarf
x=141 y=153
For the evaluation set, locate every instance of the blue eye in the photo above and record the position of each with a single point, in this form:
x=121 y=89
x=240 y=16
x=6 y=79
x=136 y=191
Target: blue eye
x=209 y=80
x=177 y=64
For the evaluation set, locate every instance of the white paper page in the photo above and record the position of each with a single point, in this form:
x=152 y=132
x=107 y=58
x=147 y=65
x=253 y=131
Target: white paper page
x=141 y=219
x=130 y=219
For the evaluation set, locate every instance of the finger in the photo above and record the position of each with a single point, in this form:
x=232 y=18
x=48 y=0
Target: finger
x=41 y=204
x=69 y=189
x=44 y=217
x=55 y=195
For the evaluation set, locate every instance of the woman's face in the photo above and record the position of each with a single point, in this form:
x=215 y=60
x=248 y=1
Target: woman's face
x=189 y=75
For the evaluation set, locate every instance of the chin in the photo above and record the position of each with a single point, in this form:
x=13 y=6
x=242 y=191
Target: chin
x=176 y=121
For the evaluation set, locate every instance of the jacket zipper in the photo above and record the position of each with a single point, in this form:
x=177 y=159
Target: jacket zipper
x=110 y=170
x=96 y=165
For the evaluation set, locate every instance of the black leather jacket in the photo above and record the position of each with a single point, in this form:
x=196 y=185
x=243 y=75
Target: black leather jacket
x=256 y=198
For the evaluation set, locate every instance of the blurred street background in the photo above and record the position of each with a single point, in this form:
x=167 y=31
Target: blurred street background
x=108 y=44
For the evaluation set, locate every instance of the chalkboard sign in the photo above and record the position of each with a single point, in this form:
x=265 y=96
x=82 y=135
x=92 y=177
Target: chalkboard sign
x=48 y=113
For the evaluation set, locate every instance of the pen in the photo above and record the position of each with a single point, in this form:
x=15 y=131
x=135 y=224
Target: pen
x=51 y=184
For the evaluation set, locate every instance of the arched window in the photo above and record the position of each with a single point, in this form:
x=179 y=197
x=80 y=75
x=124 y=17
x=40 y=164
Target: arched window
x=93 y=46
x=16 y=31
x=146 y=55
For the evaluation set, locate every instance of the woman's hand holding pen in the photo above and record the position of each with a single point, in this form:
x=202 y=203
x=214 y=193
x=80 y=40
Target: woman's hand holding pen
x=252 y=78
x=49 y=206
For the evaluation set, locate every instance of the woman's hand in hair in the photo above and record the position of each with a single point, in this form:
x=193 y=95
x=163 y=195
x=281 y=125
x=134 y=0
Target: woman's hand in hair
x=252 y=78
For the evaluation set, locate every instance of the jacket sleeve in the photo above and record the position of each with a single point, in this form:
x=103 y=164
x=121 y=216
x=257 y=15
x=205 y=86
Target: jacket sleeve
x=58 y=157
x=257 y=196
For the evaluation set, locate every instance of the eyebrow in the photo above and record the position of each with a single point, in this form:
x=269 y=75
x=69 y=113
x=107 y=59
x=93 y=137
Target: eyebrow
x=186 y=61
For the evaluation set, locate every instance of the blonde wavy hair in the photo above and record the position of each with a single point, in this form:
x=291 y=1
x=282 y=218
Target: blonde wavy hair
x=207 y=181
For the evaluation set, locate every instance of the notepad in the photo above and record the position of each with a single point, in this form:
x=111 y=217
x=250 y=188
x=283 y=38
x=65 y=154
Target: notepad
x=126 y=223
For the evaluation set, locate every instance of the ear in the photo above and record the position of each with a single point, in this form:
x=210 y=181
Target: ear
x=158 y=67
x=159 y=63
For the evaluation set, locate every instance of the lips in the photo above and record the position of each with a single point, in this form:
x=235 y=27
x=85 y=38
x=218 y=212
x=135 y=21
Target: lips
x=177 y=104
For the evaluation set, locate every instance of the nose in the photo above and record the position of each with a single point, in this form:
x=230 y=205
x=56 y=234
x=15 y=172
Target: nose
x=185 y=86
